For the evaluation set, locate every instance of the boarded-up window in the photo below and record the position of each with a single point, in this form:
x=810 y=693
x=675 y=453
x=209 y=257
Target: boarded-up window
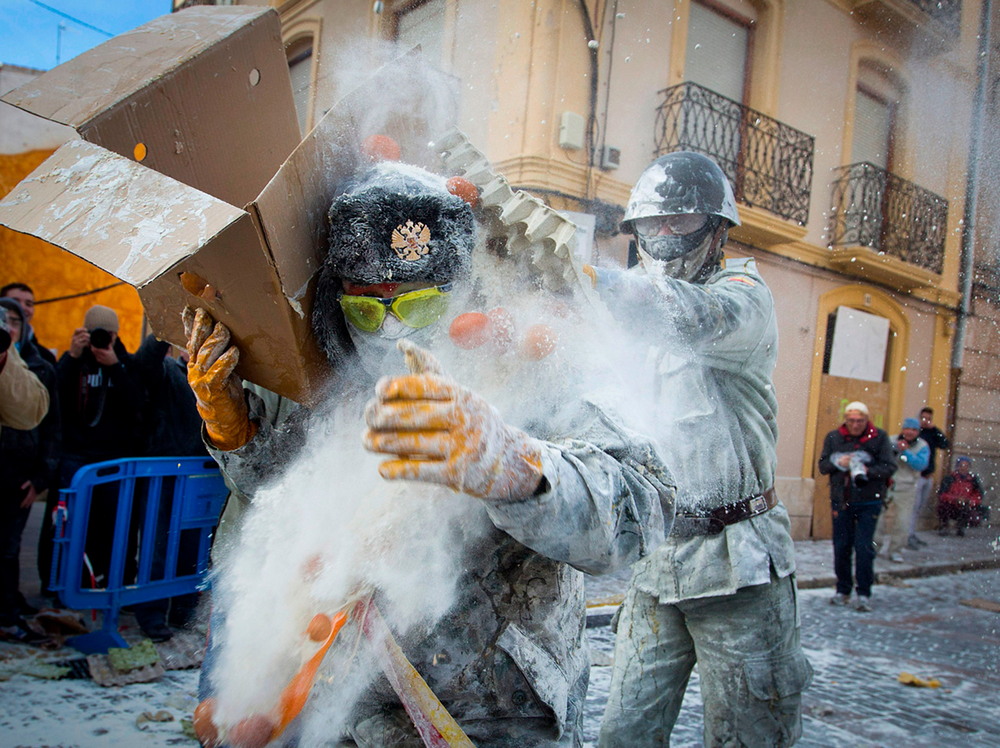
x=718 y=51
x=858 y=345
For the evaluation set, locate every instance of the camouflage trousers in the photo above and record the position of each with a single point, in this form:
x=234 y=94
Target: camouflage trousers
x=750 y=664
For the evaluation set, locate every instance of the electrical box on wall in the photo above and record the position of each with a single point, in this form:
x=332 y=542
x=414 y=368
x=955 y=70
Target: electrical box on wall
x=571 y=131
x=610 y=157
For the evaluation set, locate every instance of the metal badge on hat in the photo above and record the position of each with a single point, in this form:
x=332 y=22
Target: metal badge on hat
x=411 y=240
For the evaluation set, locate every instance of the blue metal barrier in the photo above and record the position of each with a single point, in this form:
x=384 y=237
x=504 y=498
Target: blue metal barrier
x=195 y=492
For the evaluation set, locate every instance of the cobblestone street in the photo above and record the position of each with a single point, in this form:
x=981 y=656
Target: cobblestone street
x=918 y=626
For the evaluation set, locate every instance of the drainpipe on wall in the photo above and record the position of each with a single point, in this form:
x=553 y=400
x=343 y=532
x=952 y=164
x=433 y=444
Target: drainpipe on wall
x=967 y=261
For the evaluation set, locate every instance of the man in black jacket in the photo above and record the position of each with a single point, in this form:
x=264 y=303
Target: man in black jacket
x=858 y=458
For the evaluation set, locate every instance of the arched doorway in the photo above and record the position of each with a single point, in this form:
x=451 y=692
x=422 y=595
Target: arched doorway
x=832 y=388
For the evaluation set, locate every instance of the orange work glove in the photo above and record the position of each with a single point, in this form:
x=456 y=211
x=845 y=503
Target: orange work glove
x=444 y=433
x=217 y=389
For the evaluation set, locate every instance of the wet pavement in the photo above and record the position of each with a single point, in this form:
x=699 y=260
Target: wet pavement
x=919 y=625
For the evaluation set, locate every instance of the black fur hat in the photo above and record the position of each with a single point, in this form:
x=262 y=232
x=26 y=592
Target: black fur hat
x=397 y=223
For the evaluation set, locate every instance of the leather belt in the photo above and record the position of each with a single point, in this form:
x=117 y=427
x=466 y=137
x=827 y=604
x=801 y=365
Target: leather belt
x=687 y=524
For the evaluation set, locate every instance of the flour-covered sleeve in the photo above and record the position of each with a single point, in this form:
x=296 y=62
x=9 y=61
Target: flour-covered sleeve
x=724 y=321
x=278 y=436
x=606 y=499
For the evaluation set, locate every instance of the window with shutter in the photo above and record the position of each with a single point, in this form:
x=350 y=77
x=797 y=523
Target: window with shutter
x=718 y=51
x=422 y=24
x=300 y=61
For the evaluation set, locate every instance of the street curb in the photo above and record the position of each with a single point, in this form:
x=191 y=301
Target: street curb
x=598 y=613
x=908 y=572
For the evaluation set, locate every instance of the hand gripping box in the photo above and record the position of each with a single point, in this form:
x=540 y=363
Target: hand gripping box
x=190 y=182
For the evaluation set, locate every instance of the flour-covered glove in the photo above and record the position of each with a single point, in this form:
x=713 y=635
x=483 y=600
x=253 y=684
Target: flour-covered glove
x=217 y=389
x=443 y=433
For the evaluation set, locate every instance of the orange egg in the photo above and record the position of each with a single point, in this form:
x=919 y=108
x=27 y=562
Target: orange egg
x=470 y=330
x=539 y=341
x=204 y=727
x=463 y=188
x=501 y=328
x=319 y=627
x=252 y=732
x=381 y=148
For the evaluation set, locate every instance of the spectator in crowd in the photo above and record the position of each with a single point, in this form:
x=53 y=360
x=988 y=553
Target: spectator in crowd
x=858 y=458
x=172 y=428
x=960 y=497
x=936 y=440
x=100 y=395
x=24 y=401
x=912 y=454
x=23 y=295
x=28 y=465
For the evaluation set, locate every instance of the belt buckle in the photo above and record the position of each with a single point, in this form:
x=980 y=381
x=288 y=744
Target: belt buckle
x=686 y=526
x=758 y=504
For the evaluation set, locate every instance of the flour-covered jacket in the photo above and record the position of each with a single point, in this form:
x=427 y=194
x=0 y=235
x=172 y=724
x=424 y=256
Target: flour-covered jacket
x=713 y=351
x=509 y=660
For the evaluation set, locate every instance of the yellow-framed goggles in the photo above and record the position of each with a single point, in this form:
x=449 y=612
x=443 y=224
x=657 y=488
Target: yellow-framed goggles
x=416 y=309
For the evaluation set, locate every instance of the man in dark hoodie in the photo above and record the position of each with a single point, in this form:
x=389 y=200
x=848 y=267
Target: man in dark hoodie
x=859 y=459
x=101 y=401
x=28 y=463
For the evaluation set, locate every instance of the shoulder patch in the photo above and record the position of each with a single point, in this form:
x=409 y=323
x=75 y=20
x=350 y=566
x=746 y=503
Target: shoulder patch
x=741 y=279
x=740 y=264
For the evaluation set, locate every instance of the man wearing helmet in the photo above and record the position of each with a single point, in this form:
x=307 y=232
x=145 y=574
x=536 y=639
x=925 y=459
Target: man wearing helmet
x=720 y=591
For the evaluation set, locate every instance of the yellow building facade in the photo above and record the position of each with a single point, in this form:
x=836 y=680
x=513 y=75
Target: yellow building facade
x=844 y=126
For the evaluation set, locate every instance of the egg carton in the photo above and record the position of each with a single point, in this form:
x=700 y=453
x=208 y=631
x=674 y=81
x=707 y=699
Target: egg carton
x=531 y=228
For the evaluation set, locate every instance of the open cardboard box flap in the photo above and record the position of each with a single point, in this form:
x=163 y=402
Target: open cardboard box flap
x=192 y=183
x=183 y=225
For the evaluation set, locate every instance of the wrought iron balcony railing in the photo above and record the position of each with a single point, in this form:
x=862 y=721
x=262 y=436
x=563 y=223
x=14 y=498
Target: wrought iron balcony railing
x=874 y=208
x=769 y=163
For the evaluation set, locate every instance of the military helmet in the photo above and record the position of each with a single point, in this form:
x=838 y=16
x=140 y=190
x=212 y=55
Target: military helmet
x=681 y=182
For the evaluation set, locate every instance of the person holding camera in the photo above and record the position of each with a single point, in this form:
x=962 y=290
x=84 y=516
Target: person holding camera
x=24 y=401
x=913 y=455
x=101 y=398
x=859 y=459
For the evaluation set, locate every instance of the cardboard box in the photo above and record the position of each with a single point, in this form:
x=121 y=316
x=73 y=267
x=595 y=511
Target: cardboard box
x=185 y=183
x=191 y=183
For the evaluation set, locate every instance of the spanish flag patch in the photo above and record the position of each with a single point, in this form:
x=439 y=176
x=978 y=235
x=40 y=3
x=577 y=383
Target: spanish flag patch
x=742 y=279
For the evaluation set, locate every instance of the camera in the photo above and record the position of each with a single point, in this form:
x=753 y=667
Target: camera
x=858 y=471
x=100 y=338
x=4 y=332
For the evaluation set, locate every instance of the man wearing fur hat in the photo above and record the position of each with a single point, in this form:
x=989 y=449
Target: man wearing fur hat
x=509 y=659
x=100 y=397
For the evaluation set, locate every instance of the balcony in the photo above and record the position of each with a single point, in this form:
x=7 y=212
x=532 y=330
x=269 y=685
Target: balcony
x=902 y=224
x=769 y=163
